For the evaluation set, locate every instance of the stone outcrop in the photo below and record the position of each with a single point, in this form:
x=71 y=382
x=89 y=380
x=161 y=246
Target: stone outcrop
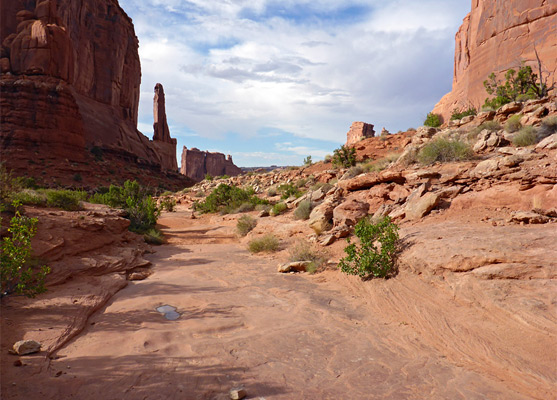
x=165 y=145
x=494 y=37
x=70 y=80
x=196 y=164
x=359 y=131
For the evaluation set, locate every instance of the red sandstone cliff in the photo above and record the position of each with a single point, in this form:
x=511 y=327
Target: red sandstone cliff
x=70 y=80
x=359 y=131
x=497 y=36
x=196 y=164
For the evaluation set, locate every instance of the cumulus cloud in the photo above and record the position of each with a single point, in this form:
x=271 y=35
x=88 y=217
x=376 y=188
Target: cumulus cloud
x=304 y=68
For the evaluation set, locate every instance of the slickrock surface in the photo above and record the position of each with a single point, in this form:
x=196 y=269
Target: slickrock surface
x=495 y=37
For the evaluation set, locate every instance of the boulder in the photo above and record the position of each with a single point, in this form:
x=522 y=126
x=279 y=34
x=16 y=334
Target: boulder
x=549 y=143
x=529 y=217
x=24 y=347
x=296 y=266
x=359 y=131
x=485 y=168
x=350 y=212
x=489 y=139
x=320 y=218
x=510 y=108
x=418 y=207
x=485 y=116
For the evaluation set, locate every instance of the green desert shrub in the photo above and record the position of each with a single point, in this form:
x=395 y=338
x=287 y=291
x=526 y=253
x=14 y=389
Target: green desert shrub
x=303 y=210
x=272 y=192
x=302 y=251
x=548 y=127
x=433 y=120
x=355 y=170
x=225 y=199
x=308 y=161
x=168 y=204
x=154 y=236
x=489 y=125
x=16 y=276
x=245 y=224
x=278 y=209
x=288 y=190
x=344 y=157
x=268 y=243
x=30 y=197
x=68 y=200
x=245 y=207
x=459 y=114
x=444 y=150
x=513 y=123
x=525 y=137
x=376 y=254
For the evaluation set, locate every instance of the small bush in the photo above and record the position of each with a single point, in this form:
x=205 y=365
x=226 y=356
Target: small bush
x=444 y=150
x=328 y=158
x=245 y=225
x=272 y=192
x=208 y=177
x=307 y=161
x=15 y=252
x=368 y=259
x=303 y=210
x=30 y=197
x=154 y=236
x=525 y=137
x=226 y=198
x=489 y=125
x=433 y=120
x=168 y=204
x=302 y=251
x=459 y=114
x=245 y=207
x=355 y=170
x=278 y=209
x=344 y=157
x=288 y=190
x=65 y=199
x=548 y=127
x=513 y=123
x=267 y=243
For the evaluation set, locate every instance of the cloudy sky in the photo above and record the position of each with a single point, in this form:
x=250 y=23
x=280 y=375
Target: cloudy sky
x=273 y=81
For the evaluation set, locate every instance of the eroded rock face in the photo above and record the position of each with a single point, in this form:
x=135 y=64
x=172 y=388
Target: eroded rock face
x=495 y=37
x=165 y=145
x=87 y=47
x=196 y=164
x=359 y=131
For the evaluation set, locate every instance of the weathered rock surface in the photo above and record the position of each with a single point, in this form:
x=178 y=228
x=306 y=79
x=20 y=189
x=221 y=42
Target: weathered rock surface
x=495 y=37
x=165 y=145
x=196 y=164
x=359 y=131
x=24 y=347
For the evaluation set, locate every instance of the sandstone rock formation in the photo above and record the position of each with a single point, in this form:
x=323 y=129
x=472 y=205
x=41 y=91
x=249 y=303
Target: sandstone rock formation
x=495 y=37
x=162 y=141
x=196 y=164
x=70 y=80
x=359 y=131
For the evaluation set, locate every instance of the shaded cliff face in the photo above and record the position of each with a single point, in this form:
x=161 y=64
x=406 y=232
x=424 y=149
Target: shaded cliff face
x=497 y=36
x=196 y=164
x=89 y=50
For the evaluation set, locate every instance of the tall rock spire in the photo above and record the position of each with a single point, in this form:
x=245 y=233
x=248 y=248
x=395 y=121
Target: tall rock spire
x=159 y=112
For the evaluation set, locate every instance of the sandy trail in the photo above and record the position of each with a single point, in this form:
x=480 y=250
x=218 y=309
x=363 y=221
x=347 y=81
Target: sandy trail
x=293 y=336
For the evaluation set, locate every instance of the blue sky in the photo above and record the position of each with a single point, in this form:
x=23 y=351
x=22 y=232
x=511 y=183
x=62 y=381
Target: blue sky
x=271 y=82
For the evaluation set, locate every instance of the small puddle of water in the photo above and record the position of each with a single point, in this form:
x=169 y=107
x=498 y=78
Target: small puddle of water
x=169 y=312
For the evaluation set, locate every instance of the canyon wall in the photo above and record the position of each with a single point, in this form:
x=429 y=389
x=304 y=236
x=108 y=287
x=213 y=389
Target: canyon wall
x=494 y=37
x=70 y=80
x=196 y=164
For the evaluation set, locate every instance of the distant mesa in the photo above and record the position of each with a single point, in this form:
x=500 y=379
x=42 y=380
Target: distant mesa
x=196 y=164
x=359 y=131
x=494 y=37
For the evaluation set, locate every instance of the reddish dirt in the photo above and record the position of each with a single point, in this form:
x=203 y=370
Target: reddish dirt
x=430 y=332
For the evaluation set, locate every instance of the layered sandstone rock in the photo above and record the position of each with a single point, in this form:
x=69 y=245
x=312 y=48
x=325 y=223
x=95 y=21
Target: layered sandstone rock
x=165 y=145
x=196 y=164
x=89 y=49
x=359 y=131
x=495 y=37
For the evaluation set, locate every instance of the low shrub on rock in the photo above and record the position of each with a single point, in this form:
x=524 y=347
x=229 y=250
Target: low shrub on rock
x=68 y=200
x=444 y=150
x=547 y=128
x=302 y=251
x=303 y=210
x=245 y=224
x=226 y=198
x=513 y=123
x=525 y=137
x=267 y=243
x=375 y=255
x=344 y=157
x=278 y=209
x=433 y=120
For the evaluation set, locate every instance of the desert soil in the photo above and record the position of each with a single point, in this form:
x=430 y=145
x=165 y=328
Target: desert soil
x=287 y=336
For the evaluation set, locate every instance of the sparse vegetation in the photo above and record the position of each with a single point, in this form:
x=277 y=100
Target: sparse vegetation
x=525 y=137
x=513 y=123
x=288 y=190
x=433 y=120
x=272 y=192
x=267 y=243
x=375 y=255
x=97 y=152
x=16 y=276
x=303 y=210
x=68 y=200
x=324 y=186
x=444 y=150
x=547 y=128
x=302 y=251
x=245 y=207
x=355 y=170
x=154 y=236
x=208 y=177
x=308 y=161
x=489 y=125
x=344 y=157
x=278 y=209
x=226 y=198
x=381 y=164
x=459 y=114
x=245 y=224
x=168 y=204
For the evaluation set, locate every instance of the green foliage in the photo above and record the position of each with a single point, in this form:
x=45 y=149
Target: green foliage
x=278 y=209
x=444 y=150
x=68 y=200
x=168 y=204
x=272 y=192
x=15 y=274
x=245 y=224
x=30 y=197
x=308 y=161
x=303 y=210
x=226 y=198
x=433 y=120
x=355 y=170
x=367 y=259
x=153 y=236
x=523 y=84
x=302 y=251
x=288 y=190
x=267 y=243
x=344 y=157
x=97 y=152
x=548 y=127
x=459 y=114
x=525 y=137
x=208 y=177
x=513 y=123
x=245 y=207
